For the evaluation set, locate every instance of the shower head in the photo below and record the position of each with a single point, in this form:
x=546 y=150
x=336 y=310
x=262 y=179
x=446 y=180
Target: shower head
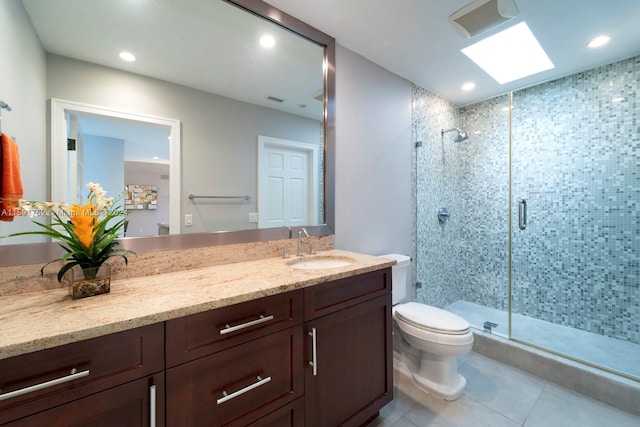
x=461 y=136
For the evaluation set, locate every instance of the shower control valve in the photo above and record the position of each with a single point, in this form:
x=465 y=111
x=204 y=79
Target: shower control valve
x=443 y=215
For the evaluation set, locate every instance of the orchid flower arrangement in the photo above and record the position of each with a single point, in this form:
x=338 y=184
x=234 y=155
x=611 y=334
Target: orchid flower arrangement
x=82 y=230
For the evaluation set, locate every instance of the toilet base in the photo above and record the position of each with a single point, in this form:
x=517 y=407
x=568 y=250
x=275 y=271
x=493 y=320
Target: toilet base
x=441 y=391
x=439 y=376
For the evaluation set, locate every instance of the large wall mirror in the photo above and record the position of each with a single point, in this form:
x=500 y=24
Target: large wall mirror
x=220 y=131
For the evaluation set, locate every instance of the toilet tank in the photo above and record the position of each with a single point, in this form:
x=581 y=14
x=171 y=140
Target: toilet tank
x=399 y=277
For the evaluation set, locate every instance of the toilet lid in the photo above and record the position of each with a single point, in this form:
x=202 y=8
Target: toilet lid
x=432 y=318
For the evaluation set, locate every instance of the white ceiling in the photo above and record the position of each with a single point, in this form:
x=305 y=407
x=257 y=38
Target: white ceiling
x=414 y=39
x=188 y=42
x=208 y=45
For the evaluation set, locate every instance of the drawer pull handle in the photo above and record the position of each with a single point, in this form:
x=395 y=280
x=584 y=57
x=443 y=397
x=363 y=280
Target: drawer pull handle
x=73 y=376
x=314 y=351
x=228 y=329
x=152 y=406
x=235 y=394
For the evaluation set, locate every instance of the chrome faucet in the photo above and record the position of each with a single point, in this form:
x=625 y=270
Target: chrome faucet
x=300 y=232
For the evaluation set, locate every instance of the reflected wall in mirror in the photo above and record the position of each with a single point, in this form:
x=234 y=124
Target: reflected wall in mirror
x=200 y=63
x=116 y=149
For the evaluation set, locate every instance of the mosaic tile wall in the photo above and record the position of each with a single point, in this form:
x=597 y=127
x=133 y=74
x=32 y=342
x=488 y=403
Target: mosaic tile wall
x=465 y=258
x=484 y=188
x=437 y=161
x=576 y=160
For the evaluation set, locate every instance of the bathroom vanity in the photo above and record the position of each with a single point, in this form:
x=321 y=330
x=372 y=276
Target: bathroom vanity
x=252 y=343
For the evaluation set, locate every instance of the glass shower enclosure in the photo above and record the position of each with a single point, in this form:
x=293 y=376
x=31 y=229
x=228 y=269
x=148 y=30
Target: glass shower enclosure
x=542 y=240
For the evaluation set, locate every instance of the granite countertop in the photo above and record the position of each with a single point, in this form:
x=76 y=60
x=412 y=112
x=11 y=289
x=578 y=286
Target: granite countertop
x=40 y=320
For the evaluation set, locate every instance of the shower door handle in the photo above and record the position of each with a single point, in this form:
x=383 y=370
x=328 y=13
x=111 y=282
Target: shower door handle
x=522 y=214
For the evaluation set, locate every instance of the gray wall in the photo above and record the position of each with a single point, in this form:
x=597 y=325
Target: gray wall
x=219 y=135
x=22 y=86
x=373 y=158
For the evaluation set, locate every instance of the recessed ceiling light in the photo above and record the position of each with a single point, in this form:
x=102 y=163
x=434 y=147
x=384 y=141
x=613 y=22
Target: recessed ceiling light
x=468 y=86
x=599 y=41
x=510 y=55
x=619 y=99
x=267 y=41
x=127 y=56
x=155 y=157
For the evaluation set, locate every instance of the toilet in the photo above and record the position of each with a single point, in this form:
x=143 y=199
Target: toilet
x=430 y=338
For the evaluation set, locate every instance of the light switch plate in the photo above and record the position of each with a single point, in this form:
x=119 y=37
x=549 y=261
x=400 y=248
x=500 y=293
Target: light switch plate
x=188 y=220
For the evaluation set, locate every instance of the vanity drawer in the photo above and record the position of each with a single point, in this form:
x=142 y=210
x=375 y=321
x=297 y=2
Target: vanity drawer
x=291 y=415
x=333 y=296
x=72 y=371
x=198 y=335
x=237 y=386
x=134 y=404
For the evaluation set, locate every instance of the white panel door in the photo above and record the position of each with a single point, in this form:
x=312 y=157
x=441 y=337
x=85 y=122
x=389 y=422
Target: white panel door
x=286 y=183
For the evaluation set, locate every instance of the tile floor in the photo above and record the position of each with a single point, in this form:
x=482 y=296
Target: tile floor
x=497 y=395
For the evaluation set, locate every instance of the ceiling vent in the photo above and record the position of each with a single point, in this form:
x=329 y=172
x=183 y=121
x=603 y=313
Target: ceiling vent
x=274 y=99
x=482 y=15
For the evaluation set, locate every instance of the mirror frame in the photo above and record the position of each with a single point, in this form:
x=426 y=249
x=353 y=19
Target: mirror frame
x=34 y=253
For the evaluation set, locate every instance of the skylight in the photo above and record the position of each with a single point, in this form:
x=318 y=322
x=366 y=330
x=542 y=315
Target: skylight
x=510 y=55
x=267 y=41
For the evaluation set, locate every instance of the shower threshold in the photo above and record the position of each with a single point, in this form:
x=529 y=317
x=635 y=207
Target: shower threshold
x=611 y=353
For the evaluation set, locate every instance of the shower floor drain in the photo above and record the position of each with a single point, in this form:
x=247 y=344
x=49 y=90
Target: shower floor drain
x=488 y=326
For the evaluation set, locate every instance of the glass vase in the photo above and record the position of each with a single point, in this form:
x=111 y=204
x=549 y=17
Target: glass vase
x=87 y=282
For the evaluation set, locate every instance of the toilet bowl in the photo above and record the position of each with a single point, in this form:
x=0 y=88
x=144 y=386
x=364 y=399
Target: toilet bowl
x=435 y=338
x=430 y=338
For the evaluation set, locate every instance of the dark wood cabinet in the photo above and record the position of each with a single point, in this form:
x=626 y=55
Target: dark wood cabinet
x=138 y=403
x=44 y=379
x=317 y=357
x=191 y=337
x=291 y=415
x=239 y=385
x=348 y=377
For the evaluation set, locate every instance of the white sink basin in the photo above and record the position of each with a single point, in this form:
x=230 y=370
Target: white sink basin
x=321 y=263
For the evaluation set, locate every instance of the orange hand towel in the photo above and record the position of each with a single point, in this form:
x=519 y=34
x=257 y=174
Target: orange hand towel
x=11 y=184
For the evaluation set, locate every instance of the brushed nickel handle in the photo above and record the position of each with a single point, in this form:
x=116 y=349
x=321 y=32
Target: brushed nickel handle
x=152 y=406
x=314 y=353
x=522 y=214
x=226 y=396
x=228 y=329
x=74 y=375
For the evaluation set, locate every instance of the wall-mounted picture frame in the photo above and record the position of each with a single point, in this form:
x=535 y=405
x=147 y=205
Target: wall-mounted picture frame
x=139 y=197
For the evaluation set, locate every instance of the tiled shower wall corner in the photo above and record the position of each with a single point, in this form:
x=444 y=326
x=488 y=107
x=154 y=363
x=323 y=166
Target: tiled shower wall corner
x=437 y=265
x=575 y=159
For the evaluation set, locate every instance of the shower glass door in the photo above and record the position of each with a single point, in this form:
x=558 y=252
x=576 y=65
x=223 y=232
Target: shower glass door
x=575 y=217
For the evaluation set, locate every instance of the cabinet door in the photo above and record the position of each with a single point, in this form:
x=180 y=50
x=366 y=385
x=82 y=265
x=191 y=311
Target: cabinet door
x=352 y=377
x=138 y=403
x=239 y=385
